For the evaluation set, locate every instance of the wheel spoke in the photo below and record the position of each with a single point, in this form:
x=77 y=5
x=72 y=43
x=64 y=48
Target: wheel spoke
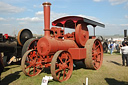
x=58 y=70
x=68 y=61
x=99 y=53
x=57 y=65
x=27 y=62
x=30 y=57
x=64 y=74
x=34 y=70
x=60 y=60
x=28 y=66
x=68 y=67
x=97 y=47
x=58 y=75
x=96 y=64
x=94 y=57
x=98 y=58
x=37 y=69
x=29 y=71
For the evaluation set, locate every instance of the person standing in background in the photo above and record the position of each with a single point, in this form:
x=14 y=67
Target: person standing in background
x=124 y=50
x=111 y=48
x=108 y=46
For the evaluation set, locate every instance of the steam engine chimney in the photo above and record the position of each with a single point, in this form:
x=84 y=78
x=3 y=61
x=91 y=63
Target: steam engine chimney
x=46 y=18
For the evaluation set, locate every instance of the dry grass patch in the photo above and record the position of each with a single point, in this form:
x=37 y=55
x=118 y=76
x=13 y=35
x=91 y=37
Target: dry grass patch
x=111 y=73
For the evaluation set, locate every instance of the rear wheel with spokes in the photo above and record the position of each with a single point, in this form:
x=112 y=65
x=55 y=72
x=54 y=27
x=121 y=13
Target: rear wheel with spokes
x=94 y=54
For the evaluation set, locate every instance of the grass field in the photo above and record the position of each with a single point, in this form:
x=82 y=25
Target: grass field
x=111 y=73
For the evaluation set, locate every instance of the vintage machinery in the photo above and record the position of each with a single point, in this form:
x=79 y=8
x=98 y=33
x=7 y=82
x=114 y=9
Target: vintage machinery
x=125 y=35
x=12 y=46
x=104 y=43
x=58 y=50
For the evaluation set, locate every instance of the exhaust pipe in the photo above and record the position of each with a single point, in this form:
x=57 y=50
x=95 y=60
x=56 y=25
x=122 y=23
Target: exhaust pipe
x=46 y=18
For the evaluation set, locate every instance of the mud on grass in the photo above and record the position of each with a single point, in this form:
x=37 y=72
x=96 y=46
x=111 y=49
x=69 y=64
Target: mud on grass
x=111 y=73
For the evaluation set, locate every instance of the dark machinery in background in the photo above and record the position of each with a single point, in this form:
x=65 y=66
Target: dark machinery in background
x=12 y=46
x=104 y=43
x=125 y=36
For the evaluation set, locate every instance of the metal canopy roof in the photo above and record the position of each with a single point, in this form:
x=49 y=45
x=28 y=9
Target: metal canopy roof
x=71 y=21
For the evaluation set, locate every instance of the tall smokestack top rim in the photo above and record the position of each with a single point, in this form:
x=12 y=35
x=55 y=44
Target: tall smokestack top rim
x=46 y=4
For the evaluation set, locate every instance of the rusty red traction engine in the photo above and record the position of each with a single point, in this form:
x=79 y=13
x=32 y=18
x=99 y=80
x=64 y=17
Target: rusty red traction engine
x=58 y=50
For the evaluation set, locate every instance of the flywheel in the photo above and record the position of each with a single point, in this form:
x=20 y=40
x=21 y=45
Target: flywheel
x=81 y=34
x=23 y=36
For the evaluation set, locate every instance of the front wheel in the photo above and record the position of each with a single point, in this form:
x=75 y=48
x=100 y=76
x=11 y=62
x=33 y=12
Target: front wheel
x=31 y=63
x=61 y=66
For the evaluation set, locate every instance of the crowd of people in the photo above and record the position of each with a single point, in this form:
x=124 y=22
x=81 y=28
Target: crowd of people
x=123 y=50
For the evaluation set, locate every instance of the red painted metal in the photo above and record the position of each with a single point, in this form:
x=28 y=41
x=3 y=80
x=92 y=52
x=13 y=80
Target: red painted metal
x=6 y=36
x=69 y=21
x=56 y=32
x=81 y=34
x=70 y=36
x=47 y=18
x=47 y=46
x=97 y=54
x=77 y=53
x=58 y=50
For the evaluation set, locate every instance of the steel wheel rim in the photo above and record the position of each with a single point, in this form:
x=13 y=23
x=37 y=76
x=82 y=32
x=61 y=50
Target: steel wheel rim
x=97 y=53
x=62 y=66
x=31 y=65
x=29 y=44
x=33 y=44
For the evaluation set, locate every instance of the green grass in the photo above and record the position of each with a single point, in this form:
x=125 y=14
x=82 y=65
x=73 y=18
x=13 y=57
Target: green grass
x=111 y=73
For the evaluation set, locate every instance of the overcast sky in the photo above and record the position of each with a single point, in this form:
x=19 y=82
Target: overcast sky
x=18 y=14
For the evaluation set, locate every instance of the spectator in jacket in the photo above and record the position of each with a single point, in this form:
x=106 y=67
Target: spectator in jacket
x=124 y=50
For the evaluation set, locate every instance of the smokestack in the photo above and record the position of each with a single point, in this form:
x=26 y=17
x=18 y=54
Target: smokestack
x=125 y=35
x=46 y=18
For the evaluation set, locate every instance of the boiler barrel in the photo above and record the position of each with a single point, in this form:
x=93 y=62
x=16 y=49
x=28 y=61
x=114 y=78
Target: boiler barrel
x=48 y=45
